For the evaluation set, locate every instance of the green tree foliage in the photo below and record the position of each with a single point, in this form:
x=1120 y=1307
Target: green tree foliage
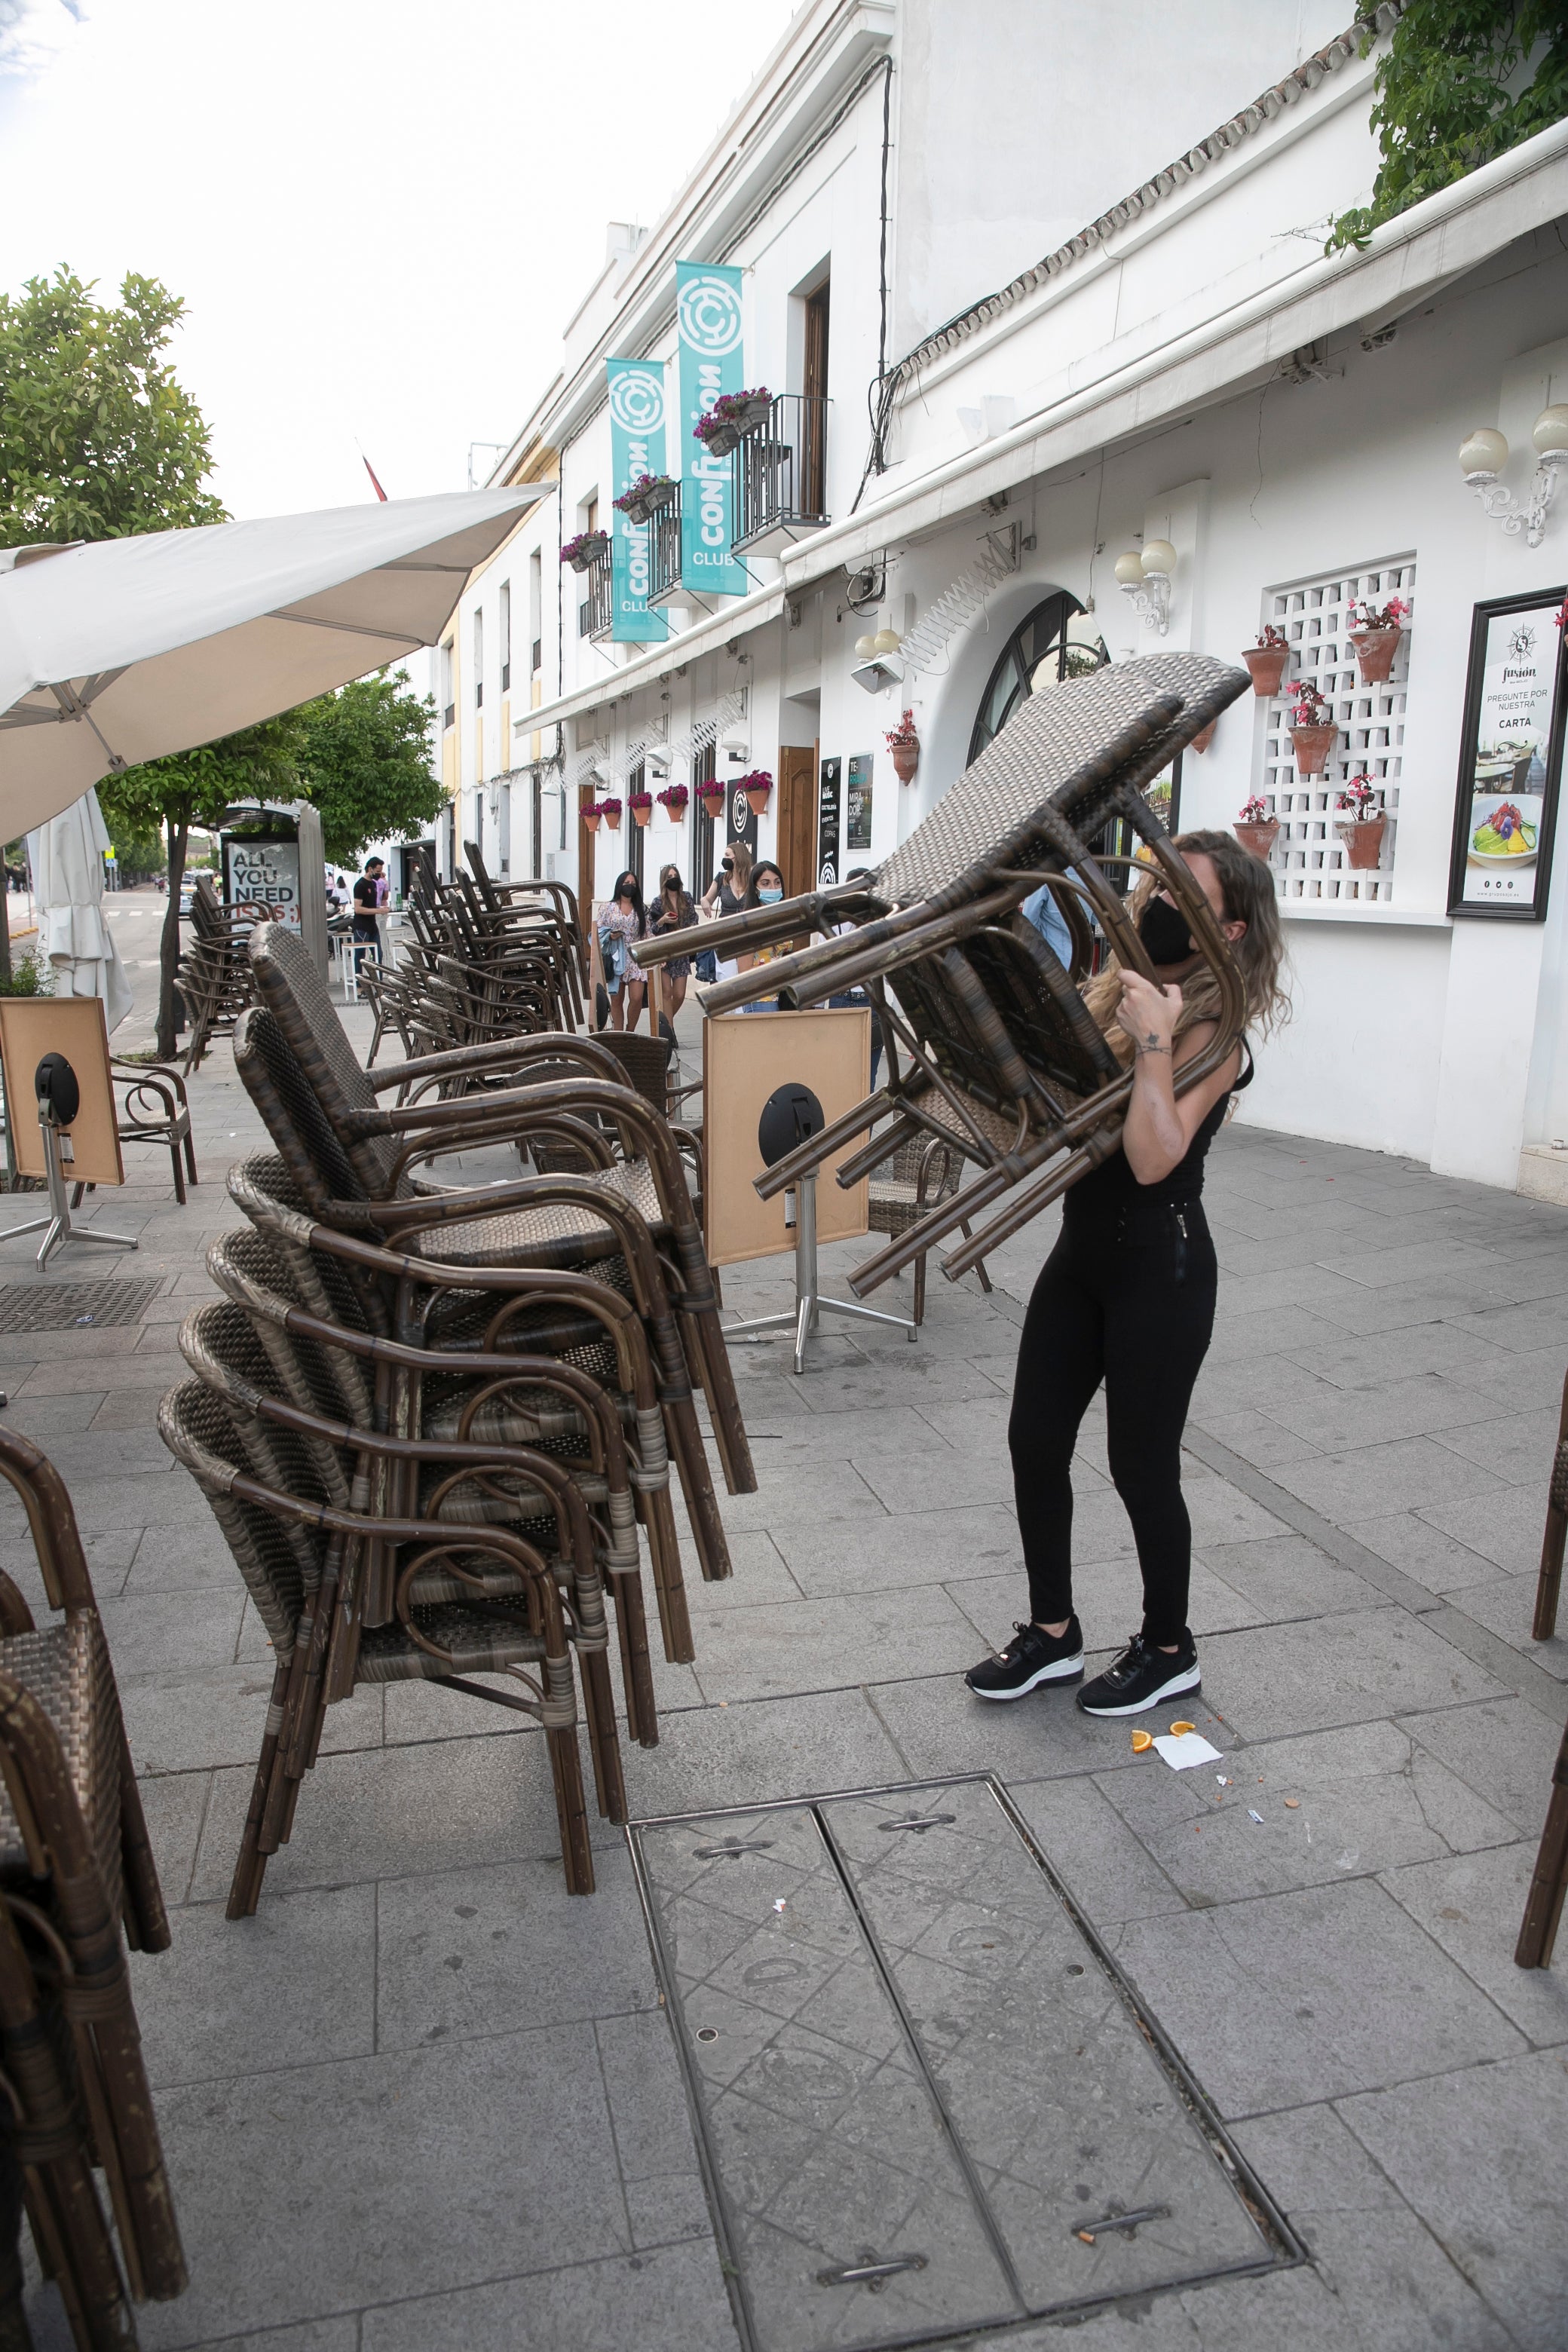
x=97 y=438
x=196 y=788
x=364 y=763
x=1463 y=80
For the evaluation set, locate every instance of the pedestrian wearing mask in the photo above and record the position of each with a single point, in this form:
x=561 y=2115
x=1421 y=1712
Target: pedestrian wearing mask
x=726 y=895
x=1127 y=1296
x=619 y=920
x=675 y=912
x=766 y=889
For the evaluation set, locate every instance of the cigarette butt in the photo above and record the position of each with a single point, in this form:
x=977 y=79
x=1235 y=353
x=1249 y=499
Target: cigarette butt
x=1087 y=2235
x=1141 y=1741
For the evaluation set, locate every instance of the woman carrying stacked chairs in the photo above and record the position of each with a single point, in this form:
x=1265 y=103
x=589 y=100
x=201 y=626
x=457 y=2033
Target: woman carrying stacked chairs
x=1107 y=1090
x=437 y=1426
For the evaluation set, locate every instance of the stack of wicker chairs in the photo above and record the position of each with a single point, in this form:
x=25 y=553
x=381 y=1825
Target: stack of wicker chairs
x=214 y=970
x=482 y=962
x=988 y=1042
x=437 y=1424
x=77 y=1881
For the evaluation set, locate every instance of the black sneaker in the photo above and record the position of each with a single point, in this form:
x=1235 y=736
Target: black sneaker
x=1030 y=1658
x=1141 y=1676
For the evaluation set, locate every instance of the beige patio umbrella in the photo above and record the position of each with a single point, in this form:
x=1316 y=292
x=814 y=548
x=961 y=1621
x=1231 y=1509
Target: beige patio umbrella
x=128 y=648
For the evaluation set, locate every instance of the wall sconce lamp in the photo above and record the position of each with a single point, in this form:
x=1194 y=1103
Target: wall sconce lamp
x=1146 y=578
x=1483 y=455
x=876 y=665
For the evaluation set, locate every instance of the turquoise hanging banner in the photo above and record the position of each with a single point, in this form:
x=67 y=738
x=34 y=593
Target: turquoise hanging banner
x=637 y=434
x=712 y=361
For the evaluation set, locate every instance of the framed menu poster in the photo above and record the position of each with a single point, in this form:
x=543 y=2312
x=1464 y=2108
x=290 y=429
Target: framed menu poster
x=1510 y=758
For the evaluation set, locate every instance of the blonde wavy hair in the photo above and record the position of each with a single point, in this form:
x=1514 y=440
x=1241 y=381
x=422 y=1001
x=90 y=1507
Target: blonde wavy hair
x=1246 y=888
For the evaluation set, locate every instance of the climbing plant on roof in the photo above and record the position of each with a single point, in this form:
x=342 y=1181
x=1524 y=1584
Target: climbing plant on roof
x=1464 y=80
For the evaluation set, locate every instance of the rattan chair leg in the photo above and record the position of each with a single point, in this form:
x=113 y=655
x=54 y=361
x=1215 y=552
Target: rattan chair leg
x=1543 y=1905
x=567 y=1773
x=146 y=1920
x=245 y=1888
x=669 y=1583
x=1549 y=1582
x=920 y=1315
x=75 y=2251
x=980 y=1270
x=599 y=1712
x=637 y=1672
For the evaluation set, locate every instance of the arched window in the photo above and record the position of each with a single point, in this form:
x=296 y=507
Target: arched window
x=1043 y=636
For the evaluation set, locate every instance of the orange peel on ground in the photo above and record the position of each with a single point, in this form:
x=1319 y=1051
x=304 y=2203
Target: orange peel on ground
x=1177 y=1728
x=1141 y=1741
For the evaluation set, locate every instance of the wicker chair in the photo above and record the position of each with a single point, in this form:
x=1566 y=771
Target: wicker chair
x=301 y=1557
x=1549 y=1584
x=76 y=1867
x=922 y=1172
x=461 y=1328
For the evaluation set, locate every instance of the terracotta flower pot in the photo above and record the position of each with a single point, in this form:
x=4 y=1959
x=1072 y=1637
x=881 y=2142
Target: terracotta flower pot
x=906 y=759
x=1313 y=745
x=1203 y=737
x=1266 y=664
x=642 y=814
x=1364 y=841
x=613 y=819
x=591 y=819
x=1258 y=840
x=675 y=809
x=1374 y=652
x=758 y=796
x=712 y=803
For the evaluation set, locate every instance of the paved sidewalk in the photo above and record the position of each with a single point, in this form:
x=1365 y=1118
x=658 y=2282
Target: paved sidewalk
x=424 y=2100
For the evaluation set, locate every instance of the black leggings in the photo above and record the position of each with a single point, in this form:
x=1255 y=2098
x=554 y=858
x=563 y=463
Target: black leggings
x=1137 y=1314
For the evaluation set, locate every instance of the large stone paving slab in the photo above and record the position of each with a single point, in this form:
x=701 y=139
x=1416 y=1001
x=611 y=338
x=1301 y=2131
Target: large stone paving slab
x=917 y=2078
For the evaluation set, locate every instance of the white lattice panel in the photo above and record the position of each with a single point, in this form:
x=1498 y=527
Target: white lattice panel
x=1309 y=859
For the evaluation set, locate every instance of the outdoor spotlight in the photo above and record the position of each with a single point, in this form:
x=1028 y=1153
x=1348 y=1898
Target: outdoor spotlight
x=881 y=671
x=1483 y=455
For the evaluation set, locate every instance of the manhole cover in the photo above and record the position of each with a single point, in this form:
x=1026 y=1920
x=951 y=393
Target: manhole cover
x=57 y=1306
x=928 y=2100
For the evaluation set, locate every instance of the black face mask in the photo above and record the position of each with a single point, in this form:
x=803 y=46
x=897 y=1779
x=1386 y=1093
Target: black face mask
x=1164 y=931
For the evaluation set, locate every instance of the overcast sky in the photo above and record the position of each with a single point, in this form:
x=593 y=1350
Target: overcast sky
x=380 y=214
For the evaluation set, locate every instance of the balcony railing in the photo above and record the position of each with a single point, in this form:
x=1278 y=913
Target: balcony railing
x=781 y=475
x=596 y=613
x=664 y=549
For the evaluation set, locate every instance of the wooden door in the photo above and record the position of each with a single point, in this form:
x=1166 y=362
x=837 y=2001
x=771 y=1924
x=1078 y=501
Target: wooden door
x=797 y=818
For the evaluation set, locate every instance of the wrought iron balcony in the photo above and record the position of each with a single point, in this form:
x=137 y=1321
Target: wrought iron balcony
x=664 y=549
x=781 y=475
x=596 y=613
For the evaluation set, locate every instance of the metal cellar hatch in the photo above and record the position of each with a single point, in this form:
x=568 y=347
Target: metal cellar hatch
x=928 y=2101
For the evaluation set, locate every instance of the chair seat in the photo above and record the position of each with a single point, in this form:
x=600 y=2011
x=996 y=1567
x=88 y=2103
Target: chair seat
x=66 y=1666
x=543 y=1234
x=477 y=1636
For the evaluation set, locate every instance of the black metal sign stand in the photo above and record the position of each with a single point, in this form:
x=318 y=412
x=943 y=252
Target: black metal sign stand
x=809 y=1303
x=57 y=1144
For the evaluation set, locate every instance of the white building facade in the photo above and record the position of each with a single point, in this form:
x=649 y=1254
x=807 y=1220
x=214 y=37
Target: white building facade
x=1189 y=367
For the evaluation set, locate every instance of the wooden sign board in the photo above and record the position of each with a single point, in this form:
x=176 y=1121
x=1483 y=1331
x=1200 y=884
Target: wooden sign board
x=746 y=1056
x=32 y=1026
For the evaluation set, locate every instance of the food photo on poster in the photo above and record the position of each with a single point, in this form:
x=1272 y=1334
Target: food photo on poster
x=1510 y=758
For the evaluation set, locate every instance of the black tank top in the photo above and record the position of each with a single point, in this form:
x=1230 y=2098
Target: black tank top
x=1102 y=1196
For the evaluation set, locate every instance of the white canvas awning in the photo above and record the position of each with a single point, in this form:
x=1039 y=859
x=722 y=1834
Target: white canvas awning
x=130 y=648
